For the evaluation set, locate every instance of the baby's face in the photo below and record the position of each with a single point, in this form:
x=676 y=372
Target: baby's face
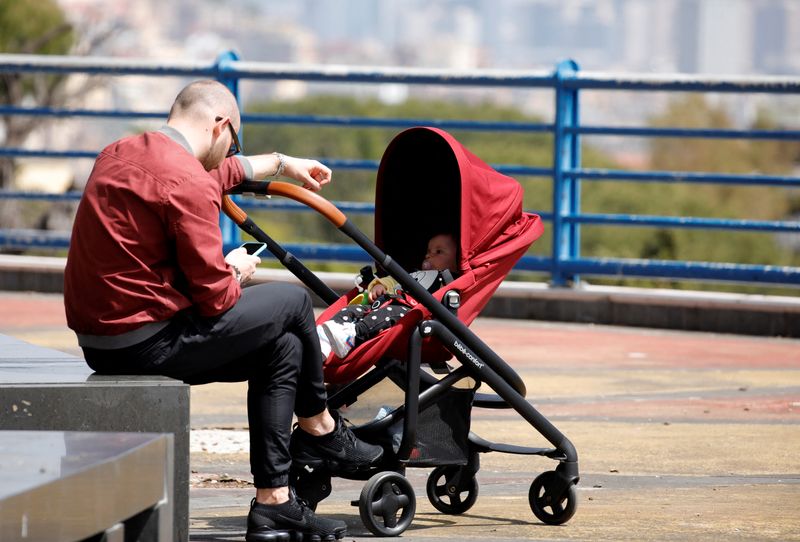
x=441 y=254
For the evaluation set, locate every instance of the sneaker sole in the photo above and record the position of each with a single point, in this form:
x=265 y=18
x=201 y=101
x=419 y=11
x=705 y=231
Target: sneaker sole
x=295 y=536
x=299 y=536
x=300 y=462
x=271 y=536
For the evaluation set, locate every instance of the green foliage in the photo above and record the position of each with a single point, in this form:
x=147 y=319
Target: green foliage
x=34 y=27
x=370 y=143
x=668 y=199
x=29 y=27
x=697 y=200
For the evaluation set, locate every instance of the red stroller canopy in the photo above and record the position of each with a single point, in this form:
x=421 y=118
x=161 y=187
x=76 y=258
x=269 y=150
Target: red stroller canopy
x=427 y=184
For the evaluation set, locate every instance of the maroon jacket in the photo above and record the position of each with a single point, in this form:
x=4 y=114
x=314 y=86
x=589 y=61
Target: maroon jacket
x=146 y=241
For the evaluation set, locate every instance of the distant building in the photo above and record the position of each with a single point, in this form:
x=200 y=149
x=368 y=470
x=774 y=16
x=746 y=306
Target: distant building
x=770 y=33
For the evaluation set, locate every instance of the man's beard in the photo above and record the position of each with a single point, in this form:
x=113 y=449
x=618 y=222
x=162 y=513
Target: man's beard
x=214 y=157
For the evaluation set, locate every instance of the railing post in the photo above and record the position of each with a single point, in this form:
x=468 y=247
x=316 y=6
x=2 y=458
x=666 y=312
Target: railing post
x=566 y=189
x=231 y=235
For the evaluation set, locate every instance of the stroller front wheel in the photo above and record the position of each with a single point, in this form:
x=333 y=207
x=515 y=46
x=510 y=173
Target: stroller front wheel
x=552 y=499
x=387 y=504
x=452 y=490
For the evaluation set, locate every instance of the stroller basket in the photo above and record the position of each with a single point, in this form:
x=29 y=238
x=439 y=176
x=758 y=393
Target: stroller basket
x=442 y=431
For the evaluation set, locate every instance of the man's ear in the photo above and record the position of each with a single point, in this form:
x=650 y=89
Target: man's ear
x=220 y=126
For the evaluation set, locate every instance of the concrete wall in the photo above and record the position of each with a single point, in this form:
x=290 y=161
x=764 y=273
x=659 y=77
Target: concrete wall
x=637 y=307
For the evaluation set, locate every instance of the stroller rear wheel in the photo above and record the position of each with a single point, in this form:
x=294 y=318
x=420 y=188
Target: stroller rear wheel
x=553 y=499
x=452 y=490
x=385 y=496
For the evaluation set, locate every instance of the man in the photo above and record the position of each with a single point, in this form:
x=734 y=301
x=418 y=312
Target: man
x=147 y=291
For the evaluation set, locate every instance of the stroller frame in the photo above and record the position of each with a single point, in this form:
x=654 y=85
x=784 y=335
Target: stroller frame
x=552 y=495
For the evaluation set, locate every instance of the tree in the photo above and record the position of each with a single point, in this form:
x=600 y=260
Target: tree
x=37 y=27
x=30 y=27
x=732 y=156
x=718 y=200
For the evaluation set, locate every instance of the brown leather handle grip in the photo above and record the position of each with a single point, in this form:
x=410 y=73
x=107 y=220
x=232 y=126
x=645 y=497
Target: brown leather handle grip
x=233 y=211
x=310 y=199
x=291 y=191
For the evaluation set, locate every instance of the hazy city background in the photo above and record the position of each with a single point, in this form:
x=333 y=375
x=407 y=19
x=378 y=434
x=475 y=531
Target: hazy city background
x=691 y=36
x=705 y=37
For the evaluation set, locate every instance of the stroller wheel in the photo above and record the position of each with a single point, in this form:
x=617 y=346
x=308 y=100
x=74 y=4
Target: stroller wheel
x=387 y=504
x=451 y=490
x=553 y=500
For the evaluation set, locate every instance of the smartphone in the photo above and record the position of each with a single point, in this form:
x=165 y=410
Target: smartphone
x=254 y=248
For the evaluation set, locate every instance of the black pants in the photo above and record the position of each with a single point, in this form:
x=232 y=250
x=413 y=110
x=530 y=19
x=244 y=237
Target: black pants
x=269 y=339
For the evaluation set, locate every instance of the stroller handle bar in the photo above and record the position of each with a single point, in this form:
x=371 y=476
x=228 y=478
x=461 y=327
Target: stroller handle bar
x=287 y=190
x=288 y=260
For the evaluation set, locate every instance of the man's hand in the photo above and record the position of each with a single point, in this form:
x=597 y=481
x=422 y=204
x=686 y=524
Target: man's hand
x=244 y=262
x=311 y=173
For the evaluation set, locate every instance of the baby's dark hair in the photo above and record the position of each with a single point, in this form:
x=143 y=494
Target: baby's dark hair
x=454 y=239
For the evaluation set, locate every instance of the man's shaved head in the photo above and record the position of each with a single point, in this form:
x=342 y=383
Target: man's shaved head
x=205 y=100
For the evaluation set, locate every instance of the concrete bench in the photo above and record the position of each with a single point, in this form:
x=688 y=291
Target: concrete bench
x=76 y=485
x=46 y=390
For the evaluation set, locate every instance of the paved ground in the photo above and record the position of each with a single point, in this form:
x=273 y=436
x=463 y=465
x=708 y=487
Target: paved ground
x=681 y=436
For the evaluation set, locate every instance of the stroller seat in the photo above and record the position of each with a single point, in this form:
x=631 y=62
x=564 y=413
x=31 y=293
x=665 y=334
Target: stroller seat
x=429 y=183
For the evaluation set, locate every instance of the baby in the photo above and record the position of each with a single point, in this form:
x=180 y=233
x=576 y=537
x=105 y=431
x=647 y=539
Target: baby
x=356 y=323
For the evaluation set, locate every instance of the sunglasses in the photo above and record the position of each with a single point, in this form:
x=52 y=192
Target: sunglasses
x=236 y=148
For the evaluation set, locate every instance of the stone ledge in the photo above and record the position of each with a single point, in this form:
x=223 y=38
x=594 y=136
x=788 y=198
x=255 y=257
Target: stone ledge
x=720 y=312
x=46 y=390
x=70 y=485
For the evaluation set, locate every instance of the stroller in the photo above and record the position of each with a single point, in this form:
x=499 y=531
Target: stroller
x=453 y=191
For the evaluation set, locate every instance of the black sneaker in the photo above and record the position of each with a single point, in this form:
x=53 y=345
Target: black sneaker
x=339 y=450
x=291 y=520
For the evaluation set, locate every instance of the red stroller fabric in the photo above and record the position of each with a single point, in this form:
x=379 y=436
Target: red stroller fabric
x=427 y=184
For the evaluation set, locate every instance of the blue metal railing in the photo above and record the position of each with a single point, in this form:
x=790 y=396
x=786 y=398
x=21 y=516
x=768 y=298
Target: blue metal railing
x=565 y=264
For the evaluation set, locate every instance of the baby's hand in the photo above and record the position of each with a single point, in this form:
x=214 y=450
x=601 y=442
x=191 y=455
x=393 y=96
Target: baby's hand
x=377 y=291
